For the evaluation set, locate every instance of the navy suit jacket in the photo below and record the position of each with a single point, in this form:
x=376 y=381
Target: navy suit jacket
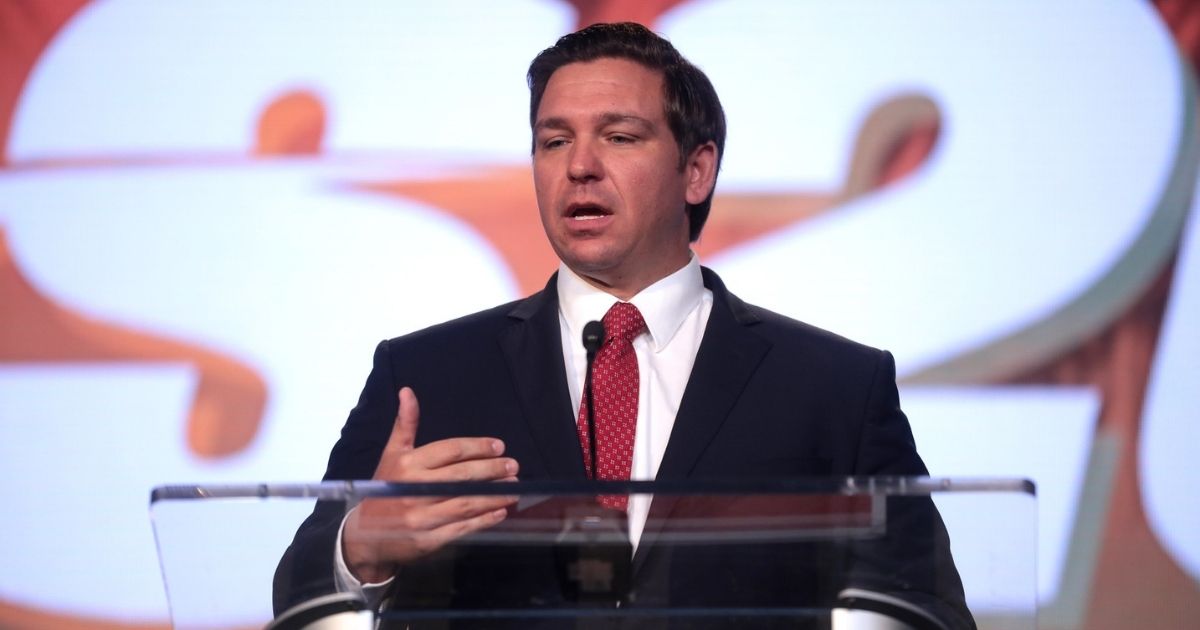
x=768 y=396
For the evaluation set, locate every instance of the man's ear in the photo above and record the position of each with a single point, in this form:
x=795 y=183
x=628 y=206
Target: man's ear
x=701 y=171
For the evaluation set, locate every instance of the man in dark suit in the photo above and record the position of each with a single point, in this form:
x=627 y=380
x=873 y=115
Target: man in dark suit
x=627 y=142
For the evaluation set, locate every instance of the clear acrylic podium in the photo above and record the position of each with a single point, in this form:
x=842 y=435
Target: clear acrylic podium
x=794 y=553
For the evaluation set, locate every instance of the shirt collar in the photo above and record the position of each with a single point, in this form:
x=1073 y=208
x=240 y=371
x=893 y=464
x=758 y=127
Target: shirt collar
x=664 y=305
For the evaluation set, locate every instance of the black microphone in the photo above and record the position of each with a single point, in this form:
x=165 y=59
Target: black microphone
x=593 y=555
x=593 y=338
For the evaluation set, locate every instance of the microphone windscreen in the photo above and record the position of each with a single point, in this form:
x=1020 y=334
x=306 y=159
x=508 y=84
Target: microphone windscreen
x=593 y=336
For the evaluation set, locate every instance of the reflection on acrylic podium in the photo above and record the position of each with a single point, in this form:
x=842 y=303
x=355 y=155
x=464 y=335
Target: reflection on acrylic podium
x=877 y=553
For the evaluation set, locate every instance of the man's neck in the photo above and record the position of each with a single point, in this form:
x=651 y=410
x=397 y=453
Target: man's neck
x=664 y=304
x=624 y=290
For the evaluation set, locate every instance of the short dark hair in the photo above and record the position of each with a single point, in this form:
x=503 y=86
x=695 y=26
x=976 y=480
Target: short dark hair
x=693 y=110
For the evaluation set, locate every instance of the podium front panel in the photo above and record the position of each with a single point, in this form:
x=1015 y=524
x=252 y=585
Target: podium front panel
x=714 y=554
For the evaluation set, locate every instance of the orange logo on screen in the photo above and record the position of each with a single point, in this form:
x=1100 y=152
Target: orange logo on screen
x=499 y=202
x=230 y=397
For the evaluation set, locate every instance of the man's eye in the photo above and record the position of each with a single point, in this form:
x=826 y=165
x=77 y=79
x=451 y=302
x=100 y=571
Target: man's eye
x=618 y=139
x=553 y=143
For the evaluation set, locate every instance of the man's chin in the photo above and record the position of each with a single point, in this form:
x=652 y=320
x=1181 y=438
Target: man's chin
x=598 y=270
x=600 y=275
x=590 y=257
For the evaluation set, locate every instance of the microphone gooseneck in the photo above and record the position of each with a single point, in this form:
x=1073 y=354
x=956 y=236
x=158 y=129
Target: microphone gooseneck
x=593 y=338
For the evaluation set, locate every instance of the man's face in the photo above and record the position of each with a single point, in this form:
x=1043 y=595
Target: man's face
x=606 y=170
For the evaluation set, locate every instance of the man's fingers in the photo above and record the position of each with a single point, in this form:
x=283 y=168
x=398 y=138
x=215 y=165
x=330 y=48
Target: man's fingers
x=384 y=532
x=374 y=544
x=430 y=541
x=461 y=509
x=441 y=457
x=457 y=529
x=402 y=437
x=402 y=461
x=477 y=470
x=408 y=415
x=406 y=518
x=490 y=469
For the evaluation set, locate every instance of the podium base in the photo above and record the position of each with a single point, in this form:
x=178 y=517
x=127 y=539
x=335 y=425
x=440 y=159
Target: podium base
x=337 y=611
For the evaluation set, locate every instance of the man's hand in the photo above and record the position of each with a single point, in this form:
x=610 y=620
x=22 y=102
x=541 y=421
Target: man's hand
x=383 y=533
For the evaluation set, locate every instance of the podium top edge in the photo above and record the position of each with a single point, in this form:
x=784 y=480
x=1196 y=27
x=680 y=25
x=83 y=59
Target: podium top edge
x=360 y=489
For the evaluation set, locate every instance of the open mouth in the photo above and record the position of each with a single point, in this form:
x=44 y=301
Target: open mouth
x=587 y=212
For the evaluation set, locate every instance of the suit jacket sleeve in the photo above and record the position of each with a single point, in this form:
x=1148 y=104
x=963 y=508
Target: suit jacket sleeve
x=307 y=567
x=912 y=560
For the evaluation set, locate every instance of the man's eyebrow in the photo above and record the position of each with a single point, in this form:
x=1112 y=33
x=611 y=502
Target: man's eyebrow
x=611 y=118
x=605 y=119
x=551 y=123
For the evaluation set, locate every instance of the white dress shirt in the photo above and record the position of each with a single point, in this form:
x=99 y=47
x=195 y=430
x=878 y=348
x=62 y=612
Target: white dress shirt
x=676 y=311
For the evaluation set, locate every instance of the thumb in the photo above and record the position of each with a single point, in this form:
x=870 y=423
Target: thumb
x=404 y=429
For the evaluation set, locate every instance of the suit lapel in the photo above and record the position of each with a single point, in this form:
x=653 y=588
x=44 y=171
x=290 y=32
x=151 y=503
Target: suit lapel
x=728 y=356
x=532 y=346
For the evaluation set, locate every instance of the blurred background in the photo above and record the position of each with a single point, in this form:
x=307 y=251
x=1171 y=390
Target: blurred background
x=210 y=213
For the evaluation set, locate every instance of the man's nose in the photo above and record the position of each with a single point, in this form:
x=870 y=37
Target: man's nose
x=585 y=164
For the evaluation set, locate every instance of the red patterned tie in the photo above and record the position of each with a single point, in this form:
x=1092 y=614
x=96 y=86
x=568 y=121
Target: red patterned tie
x=615 y=395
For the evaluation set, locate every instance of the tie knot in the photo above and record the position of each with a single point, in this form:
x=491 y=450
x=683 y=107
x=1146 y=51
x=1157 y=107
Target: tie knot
x=623 y=321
